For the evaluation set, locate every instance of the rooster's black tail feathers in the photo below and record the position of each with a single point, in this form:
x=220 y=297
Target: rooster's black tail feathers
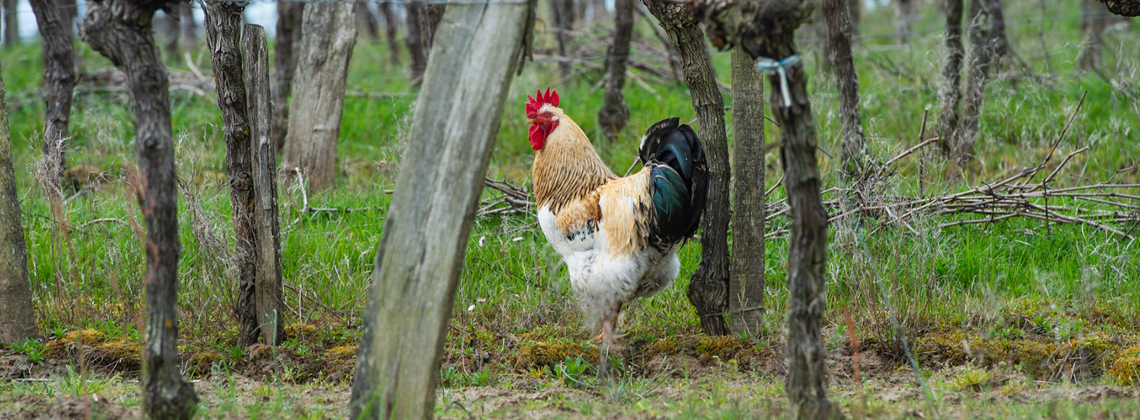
x=679 y=176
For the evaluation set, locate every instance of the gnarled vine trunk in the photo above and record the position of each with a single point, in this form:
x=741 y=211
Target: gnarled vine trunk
x=708 y=289
x=1092 y=26
x=11 y=23
x=767 y=29
x=391 y=25
x=223 y=36
x=121 y=31
x=17 y=318
x=285 y=65
x=854 y=150
x=977 y=74
x=950 y=91
x=615 y=113
x=57 y=84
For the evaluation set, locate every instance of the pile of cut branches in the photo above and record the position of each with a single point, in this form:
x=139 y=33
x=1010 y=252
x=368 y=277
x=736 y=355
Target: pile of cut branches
x=511 y=199
x=1021 y=195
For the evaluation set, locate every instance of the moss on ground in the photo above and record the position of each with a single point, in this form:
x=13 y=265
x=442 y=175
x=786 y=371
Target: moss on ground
x=1126 y=368
x=541 y=354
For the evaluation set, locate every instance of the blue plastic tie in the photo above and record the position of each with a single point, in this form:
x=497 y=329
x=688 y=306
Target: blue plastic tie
x=765 y=64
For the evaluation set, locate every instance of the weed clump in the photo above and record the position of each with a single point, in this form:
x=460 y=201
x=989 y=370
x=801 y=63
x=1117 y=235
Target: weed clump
x=972 y=378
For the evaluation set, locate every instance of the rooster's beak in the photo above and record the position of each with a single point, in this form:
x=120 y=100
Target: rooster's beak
x=530 y=121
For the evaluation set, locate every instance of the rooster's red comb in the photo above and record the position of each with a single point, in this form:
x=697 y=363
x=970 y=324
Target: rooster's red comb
x=550 y=97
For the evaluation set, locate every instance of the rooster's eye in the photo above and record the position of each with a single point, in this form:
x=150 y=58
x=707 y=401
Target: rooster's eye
x=547 y=115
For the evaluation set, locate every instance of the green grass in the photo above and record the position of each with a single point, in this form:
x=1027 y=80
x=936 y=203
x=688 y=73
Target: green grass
x=1070 y=282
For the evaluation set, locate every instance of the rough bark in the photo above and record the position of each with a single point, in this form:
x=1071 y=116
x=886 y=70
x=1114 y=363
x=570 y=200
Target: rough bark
x=978 y=61
x=11 y=23
x=950 y=92
x=615 y=113
x=328 y=35
x=746 y=284
x=284 y=65
x=1128 y=8
x=1092 y=26
x=766 y=29
x=17 y=318
x=416 y=52
x=57 y=84
x=421 y=251
x=223 y=36
x=854 y=151
x=390 y=26
x=906 y=11
x=270 y=306
x=708 y=288
x=121 y=31
x=189 y=28
x=366 y=21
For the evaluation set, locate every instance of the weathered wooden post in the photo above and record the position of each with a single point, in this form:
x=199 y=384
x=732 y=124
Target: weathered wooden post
x=328 y=33
x=746 y=282
x=268 y=293
x=478 y=48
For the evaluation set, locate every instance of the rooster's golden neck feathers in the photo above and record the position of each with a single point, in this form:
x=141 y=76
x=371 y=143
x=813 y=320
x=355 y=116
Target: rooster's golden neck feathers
x=567 y=167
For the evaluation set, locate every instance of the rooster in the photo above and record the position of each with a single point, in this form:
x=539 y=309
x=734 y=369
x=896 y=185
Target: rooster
x=618 y=236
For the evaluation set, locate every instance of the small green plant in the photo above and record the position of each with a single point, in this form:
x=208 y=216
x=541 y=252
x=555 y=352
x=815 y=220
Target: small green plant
x=572 y=372
x=449 y=376
x=31 y=347
x=57 y=331
x=235 y=353
x=480 y=377
x=84 y=383
x=298 y=346
x=972 y=378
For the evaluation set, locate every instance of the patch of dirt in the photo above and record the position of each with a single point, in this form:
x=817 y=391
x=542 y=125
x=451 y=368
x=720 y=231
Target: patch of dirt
x=1091 y=393
x=90 y=407
x=465 y=402
x=18 y=367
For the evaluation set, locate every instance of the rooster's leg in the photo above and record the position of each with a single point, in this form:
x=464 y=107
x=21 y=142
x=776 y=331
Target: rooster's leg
x=609 y=325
